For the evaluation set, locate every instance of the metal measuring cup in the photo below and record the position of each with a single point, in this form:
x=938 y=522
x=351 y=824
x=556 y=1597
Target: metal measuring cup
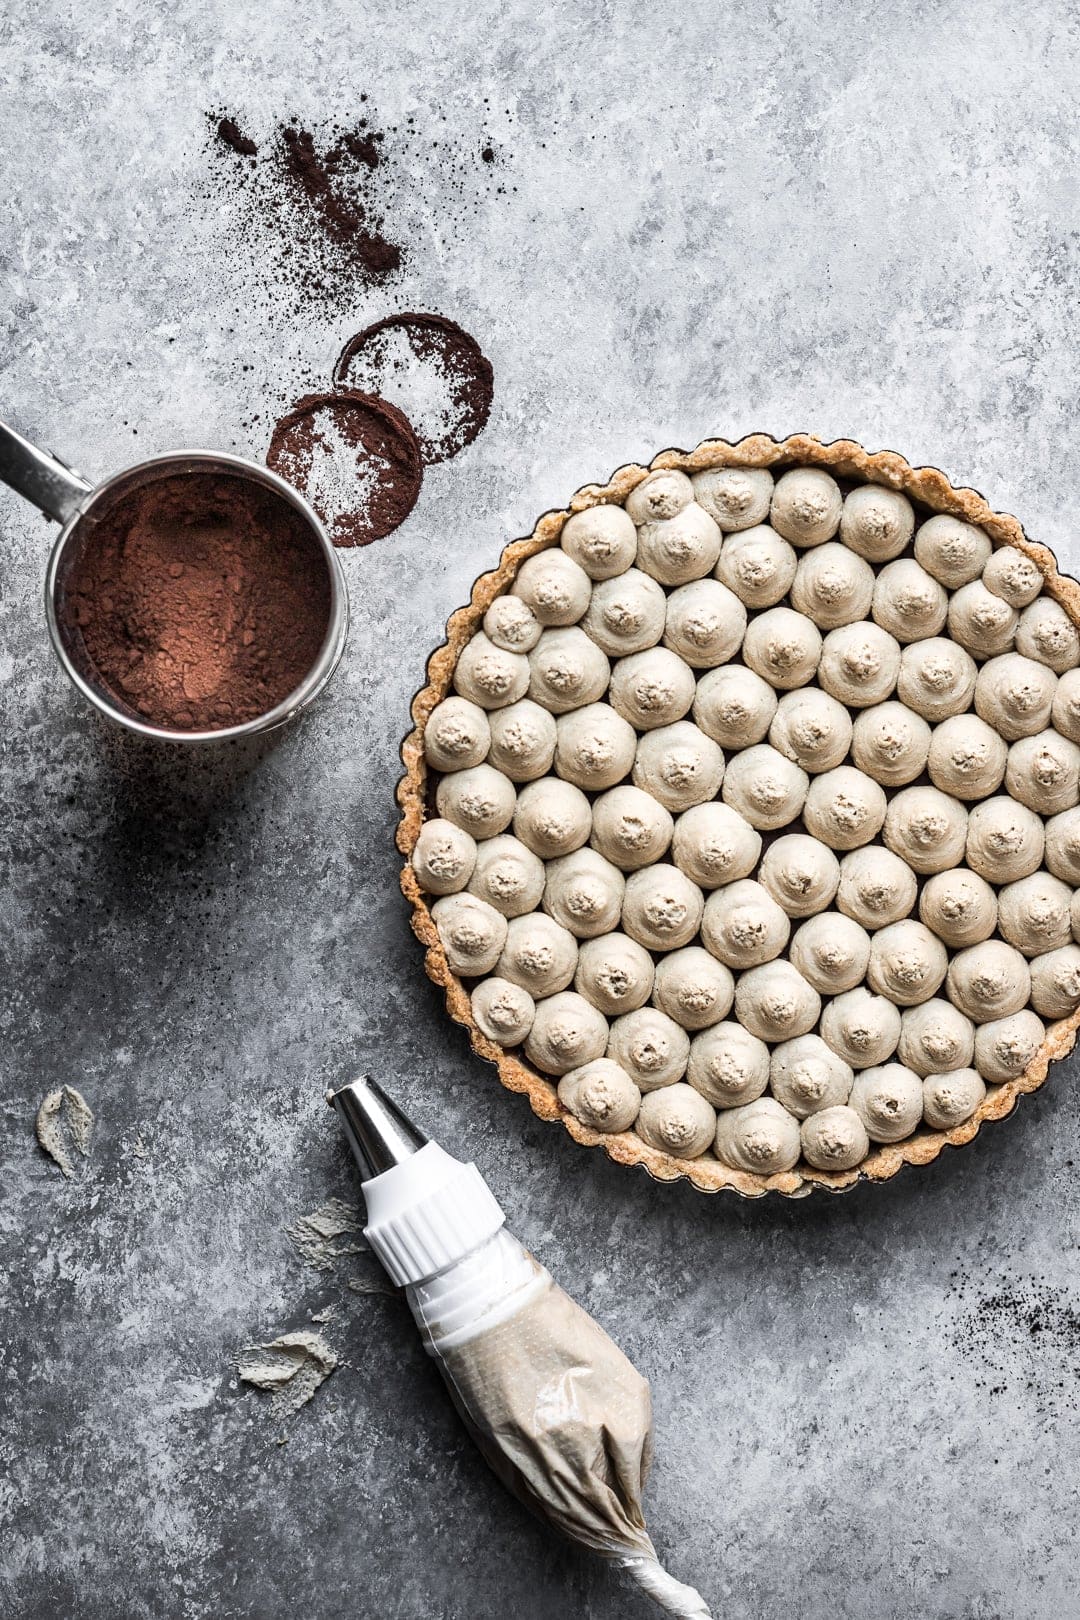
x=66 y=497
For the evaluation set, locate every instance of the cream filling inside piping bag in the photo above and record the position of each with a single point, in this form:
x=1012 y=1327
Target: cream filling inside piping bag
x=555 y=1407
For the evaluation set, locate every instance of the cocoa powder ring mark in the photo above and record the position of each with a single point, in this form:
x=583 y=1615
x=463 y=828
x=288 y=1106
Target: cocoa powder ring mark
x=440 y=341
x=385 y=445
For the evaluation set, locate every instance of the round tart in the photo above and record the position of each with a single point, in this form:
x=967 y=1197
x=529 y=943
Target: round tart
x=742 y=815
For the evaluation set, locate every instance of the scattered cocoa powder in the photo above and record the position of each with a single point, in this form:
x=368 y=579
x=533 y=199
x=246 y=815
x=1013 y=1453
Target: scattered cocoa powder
x=344 y=216
x=312 y=213
x=201 y=600
x=1020 y=1334
x=318 y=197
x=355 y=457
x=432 y=369
x=233 y=136
x=410 y=389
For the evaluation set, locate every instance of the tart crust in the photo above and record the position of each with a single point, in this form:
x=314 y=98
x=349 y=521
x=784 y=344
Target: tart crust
x=846 y=459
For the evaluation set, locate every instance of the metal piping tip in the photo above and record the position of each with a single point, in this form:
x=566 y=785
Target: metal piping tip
x=379 y=1134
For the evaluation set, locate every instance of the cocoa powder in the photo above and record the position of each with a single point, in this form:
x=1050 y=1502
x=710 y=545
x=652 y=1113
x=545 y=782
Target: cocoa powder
x=318 y=195
x=432 y=369
x=314 y=212
x=232 y=135
x=344 y=216
x=355 y=457
x=201 y=601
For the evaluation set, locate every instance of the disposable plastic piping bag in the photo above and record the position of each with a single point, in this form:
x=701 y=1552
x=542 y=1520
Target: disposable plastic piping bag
x=561 y=1415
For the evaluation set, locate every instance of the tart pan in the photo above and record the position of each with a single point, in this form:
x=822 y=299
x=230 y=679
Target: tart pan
x=845 y=459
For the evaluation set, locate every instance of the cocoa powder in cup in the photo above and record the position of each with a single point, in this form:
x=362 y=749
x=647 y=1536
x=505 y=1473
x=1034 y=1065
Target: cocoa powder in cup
x=201 y=600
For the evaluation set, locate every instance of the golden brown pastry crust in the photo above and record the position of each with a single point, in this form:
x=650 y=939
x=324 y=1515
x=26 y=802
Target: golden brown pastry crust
x=848 y=460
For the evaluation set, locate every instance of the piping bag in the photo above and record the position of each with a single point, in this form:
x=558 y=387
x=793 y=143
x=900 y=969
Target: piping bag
x=557 y=1410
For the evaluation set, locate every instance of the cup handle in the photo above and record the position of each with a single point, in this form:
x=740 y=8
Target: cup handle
x=57 y=490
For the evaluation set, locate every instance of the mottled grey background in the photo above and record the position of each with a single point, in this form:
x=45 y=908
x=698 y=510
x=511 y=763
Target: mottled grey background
x=841 y=217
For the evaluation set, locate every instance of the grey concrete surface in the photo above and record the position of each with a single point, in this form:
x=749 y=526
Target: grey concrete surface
x=847 y=218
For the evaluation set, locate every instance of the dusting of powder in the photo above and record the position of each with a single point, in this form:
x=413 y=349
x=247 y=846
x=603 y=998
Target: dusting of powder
x=355 y=457
x=317 y=194
x=1021 y=1338
x=329 y=209
x=337 y=481
x=327 y=1235
x=291 y=1367
x=431 y=369
x=65 y=1121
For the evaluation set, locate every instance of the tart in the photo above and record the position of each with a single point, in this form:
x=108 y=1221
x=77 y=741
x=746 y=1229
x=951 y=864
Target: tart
x=741 y=815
